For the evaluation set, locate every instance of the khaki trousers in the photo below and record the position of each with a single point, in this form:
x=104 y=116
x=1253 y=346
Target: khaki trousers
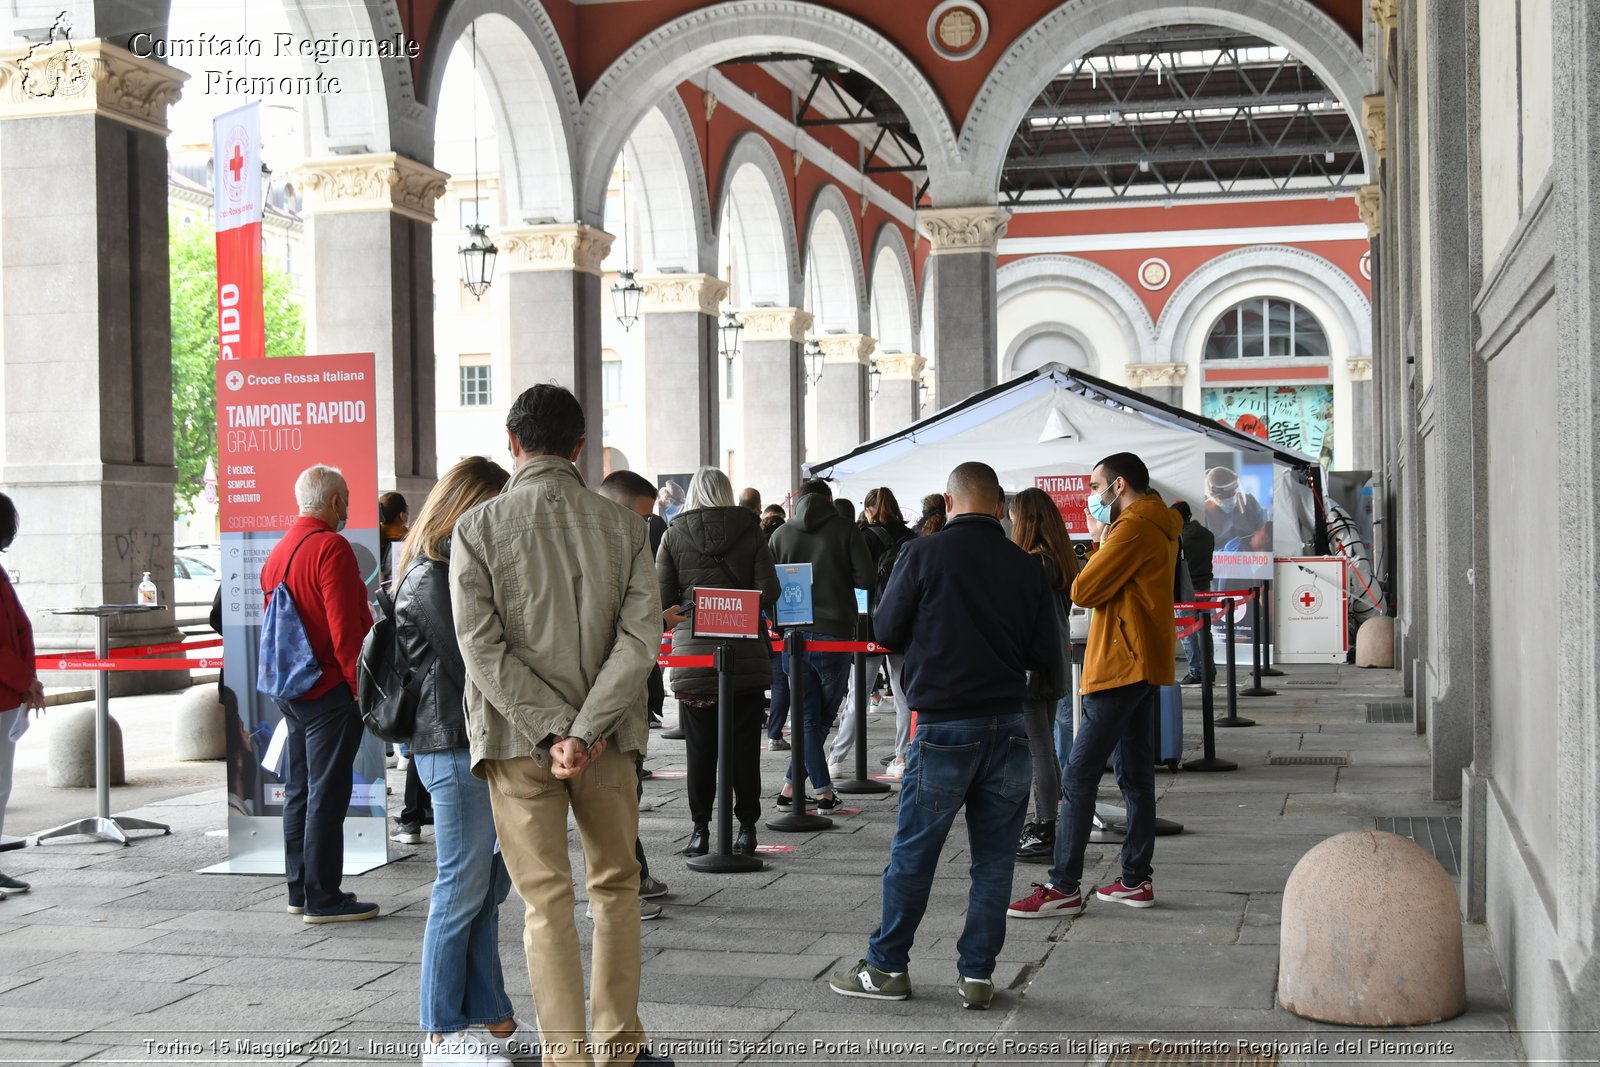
x=530 y=815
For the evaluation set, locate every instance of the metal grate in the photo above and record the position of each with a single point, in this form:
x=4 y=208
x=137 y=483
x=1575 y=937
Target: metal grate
x=1390 y=713
x=1143 y=1056
x=1439 y=834
x=1308 y=684
x=1308 y=761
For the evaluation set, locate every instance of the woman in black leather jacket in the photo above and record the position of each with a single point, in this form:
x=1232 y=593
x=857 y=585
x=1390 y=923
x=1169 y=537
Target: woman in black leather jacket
x=465 y=1009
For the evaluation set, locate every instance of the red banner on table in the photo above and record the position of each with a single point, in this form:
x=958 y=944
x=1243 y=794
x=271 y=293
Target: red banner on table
x=726 y=613
x=239 y=196
x=1069 y=492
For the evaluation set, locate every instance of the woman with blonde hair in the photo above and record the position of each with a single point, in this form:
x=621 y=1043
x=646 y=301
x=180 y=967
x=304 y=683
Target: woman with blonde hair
x=1037 y=527
x=714 y=543
x=465 y=1009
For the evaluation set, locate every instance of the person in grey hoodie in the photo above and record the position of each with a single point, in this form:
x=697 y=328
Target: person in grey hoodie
x=840 y=564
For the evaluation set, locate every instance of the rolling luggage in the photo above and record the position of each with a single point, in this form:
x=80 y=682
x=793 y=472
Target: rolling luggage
x=1169 y=727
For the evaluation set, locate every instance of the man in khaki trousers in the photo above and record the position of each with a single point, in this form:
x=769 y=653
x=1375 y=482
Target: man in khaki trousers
x=558 y=616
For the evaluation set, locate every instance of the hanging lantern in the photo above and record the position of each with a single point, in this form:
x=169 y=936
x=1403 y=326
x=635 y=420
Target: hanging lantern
x=477 y=261
x=729 y=328
x=625 y=296
x=875 y=377
x=813 y=361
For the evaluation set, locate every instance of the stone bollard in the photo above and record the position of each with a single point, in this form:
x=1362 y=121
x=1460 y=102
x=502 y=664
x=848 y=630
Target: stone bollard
x=1371 y=935
x=1375 y=642
x=69 y=762
x=197 y=727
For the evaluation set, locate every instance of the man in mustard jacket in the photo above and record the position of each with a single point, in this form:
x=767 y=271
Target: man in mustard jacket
x=1132 y=648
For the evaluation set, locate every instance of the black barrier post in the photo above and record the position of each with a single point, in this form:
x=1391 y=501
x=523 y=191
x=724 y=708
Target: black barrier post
x=1209 y=762
x=1232 y=718
x=1258 y=642
x=861 y=783
x=1267 y=669
x=723 y=860
x=798 y=819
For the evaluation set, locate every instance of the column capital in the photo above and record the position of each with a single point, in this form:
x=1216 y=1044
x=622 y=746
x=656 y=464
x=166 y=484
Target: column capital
x=1360 y=368
x=1157 y=375
x=1374 y=118
x=1386 y=13
x=90 y=77
x=377 y=181
x=853 y=348
x=682 y=292
x=569 y=246
x=963 y=229
x=900 y=366
x=1369 y=201
x=775 y=324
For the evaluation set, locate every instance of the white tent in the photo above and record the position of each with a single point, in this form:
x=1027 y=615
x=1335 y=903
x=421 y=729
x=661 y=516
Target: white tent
x=1055 y=422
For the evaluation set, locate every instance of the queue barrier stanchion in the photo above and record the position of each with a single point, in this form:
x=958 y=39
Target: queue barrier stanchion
x=1232 y=719
x=1258 y=643
x=1267 y=669
x=861 y=783
x=1208 y=724
x=722 y=859
x=798 y=819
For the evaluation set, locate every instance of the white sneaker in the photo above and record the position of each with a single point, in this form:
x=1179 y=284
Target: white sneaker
x=520 y=1046
x=896 y=769
x=465 y=1047
x=836 y=770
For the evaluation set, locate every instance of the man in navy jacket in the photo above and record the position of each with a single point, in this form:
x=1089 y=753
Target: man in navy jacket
x=972 y=614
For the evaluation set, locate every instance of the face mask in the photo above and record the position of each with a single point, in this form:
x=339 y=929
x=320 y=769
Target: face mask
x=1099 y=509
x=1228 y=504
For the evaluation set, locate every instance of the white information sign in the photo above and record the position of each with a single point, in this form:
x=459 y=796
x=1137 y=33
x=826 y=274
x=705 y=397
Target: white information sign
x=1310 y=610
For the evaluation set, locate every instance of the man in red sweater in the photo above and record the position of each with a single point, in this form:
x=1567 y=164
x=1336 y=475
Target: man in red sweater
x=324 y=725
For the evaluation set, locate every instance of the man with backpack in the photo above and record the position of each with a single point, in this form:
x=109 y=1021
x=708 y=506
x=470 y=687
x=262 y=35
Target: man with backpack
x=318 y=569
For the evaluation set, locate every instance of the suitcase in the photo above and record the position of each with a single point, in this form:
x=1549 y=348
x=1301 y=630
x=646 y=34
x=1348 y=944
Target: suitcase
x=1169 y=727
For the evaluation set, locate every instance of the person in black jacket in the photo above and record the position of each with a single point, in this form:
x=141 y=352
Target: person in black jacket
x=1198 y=544
x=973 y=615
x=464 y=1006
x=714 y=543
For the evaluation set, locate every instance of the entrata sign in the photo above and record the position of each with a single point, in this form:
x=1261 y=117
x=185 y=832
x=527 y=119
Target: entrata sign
x=1070 y=492
x=726 y=613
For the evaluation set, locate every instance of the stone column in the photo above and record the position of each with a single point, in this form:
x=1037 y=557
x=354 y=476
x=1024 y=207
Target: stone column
x=553 y=307
x=1362 y=426
x=770 y=394
x=86 y=339
x=965 y=240
x=842 y=394
x=679 y=318
x=895 y=406
x=1159 y=381
x=370 y=226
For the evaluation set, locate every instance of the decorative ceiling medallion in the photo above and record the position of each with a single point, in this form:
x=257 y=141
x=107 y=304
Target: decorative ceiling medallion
x=958 y=29
x=1154 y=274
x=1366 y=265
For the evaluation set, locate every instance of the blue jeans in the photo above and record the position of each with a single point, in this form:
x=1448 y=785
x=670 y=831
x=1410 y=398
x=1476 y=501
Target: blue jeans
x=780 y=699
x=826 y=674
x=462 y=984
x=979 y=764
x=1064 y=733
x=1123 y=716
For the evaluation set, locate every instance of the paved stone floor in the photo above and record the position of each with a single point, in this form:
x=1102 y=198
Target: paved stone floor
x=127 y=955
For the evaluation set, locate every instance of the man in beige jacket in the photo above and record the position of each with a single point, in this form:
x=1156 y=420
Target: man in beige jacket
x=558 y=615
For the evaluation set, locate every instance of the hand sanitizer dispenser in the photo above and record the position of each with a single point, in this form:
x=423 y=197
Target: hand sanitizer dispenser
x=147 y=590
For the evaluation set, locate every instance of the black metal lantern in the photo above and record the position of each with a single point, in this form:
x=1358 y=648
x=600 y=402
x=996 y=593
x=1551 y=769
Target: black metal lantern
x=477 y=261
x=729 y=329
x=875 y=377
x=625 y=296
x=813 y=361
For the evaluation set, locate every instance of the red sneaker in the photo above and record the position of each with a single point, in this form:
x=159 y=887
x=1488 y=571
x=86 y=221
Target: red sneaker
x=1142 y=895
x=1046 y=902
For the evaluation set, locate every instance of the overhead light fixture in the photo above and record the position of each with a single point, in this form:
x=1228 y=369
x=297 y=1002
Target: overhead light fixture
x=814 y=362
x=625 y=291
x=1327 y=157
x=1144 y=165
x=875 y=378
x=729 y=329
x=478 y=254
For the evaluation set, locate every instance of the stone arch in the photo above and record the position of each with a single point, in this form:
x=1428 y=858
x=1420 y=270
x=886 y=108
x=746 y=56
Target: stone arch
x=755 y=196
x=674 y=212
x=1087 y=279
x=692 y=43
x=1019 y=346
x=376 y=109
x=833 y=247
x=525 y=75
x=891 y=274
x=1271 y=263
x=1078 y=26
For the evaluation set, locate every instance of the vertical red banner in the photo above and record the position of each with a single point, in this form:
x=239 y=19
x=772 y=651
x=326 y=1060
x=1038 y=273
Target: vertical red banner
x=239 y=195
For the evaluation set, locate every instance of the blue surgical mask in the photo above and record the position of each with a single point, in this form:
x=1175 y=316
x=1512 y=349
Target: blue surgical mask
x=1099 y=509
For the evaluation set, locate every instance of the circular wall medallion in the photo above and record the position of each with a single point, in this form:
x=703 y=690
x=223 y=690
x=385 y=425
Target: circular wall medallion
x=1366 y=265
x=1154 y=273
x=958 y=29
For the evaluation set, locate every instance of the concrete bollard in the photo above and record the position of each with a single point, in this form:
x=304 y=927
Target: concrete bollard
x=1371 y=935
x=69 y=763
x=1375 y=642
x=197 y=728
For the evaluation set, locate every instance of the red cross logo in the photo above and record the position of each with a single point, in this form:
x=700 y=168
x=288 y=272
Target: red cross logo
x=1307 y=599
x=236 y=164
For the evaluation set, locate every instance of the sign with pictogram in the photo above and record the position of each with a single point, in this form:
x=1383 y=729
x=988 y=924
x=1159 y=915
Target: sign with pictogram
x=794 y=594
x=726 y=613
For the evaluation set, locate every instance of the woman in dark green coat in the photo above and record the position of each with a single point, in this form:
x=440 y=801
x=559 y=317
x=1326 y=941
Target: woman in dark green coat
x=711 y=543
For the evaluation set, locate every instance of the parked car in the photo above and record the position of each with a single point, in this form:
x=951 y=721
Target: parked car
x=194 y=580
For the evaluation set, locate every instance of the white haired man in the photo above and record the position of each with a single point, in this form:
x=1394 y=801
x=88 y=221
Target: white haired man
x=324 y=726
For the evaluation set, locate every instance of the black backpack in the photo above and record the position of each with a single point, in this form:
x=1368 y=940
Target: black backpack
x=387 y=689
x=891 y=554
